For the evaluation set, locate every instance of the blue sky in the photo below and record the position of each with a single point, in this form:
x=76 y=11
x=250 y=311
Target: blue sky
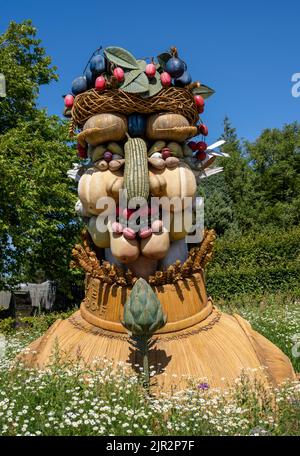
x=246 y=51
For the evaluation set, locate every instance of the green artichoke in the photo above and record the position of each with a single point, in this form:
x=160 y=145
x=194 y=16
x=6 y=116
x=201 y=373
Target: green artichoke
x=143 y=313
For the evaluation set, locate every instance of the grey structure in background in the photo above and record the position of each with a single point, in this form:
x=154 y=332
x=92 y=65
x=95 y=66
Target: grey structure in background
x=2 y=86
x=41 y=295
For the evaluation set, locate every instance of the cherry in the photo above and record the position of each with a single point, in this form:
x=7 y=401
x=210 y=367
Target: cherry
x=201 y=155
x=201 y=146
x=69 y=101
x=193 y=145
x=100 y=83
x=200 y=103
x=203 y=130
x=119 y=74
x=166 y=79
x=150 y=70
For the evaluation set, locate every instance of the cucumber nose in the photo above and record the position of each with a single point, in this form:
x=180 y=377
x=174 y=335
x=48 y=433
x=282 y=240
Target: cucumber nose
x=136 y=176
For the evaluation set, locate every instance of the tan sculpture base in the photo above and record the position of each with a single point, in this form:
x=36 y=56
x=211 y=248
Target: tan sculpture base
x=198 y=341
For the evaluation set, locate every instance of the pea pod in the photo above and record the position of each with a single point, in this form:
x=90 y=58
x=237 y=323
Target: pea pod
x=115 y=148
x=175 y=148
x=156 y=147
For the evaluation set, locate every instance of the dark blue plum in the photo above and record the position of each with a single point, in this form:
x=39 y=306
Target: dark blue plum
x=137 y=124
x=97 y=65
x=90 y=78
x=175 y=67
x=79 y=85
x=184 y=80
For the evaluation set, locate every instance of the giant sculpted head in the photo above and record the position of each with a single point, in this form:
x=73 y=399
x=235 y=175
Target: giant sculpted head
x=139 y=172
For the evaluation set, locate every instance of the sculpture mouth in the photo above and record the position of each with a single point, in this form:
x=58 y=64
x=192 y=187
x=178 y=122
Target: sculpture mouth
x=94 y=263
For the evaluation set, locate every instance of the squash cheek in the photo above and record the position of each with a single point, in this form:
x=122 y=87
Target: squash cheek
x=95 y=185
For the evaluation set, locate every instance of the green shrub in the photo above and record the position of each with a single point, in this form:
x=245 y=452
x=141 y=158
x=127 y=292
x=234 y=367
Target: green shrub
x=255 y=263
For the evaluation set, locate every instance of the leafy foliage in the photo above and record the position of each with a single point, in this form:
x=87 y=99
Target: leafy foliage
x=38 y=228
x=255 y=263
x=26 y=66
x=121 y=57
x=204 y=91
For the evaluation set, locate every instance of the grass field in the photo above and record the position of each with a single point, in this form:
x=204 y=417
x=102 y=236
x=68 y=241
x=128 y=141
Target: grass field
x=72 y=400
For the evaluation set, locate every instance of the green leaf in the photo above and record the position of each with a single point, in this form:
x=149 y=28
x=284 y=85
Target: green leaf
x=129 y=77
x=163 y=58
x=139 y=85
x=203 y=90
x=121 y=57
x=155 y=85
x=142 y=64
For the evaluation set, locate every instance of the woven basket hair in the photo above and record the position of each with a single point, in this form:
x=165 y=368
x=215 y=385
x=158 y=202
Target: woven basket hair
x=172 y=99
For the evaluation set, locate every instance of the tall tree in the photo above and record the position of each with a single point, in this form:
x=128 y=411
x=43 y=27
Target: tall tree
x=275 y=160
x=37 y=223
x=237 y=176
x=25 y=65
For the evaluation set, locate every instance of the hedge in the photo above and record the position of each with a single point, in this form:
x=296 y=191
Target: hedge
x=265 y=262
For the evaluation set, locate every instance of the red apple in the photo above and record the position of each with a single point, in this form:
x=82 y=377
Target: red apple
x=119 y=74
x=69 y=101
x=166 y=79
x=100 y=83
x=150 y=70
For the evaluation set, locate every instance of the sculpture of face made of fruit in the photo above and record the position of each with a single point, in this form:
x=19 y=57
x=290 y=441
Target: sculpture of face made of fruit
x=136 y=121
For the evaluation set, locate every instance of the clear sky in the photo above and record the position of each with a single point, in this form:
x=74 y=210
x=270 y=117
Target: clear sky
x=246 y=50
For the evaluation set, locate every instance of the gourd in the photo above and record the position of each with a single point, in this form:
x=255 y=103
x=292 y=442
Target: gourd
x=177 y=227
x=95 y=184
x=179 y=182
x=136 y=179
x=136 y=124
x=156 y=247
x=158 y=183
x=100 y=239
x=124 y=250
x=169 y=126
x=103 y=128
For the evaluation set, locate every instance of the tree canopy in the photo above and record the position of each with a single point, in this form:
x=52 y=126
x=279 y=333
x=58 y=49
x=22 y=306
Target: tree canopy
x=38 y=227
